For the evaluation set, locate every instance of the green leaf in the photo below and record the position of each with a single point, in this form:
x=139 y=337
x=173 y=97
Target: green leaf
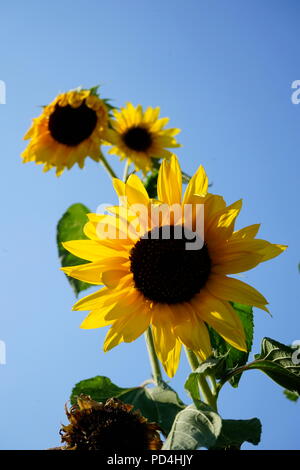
x=99 y=388
x=276 y=360
x=70 y=227
x=235 y=432
x=193 y=428
x=233 y=357
x=192 y=385
x=292 y=396
x=158 y=404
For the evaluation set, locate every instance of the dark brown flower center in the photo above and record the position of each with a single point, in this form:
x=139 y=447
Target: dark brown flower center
x=138 y=139
x=71 y=126
x=165 y=268
x=109 y=429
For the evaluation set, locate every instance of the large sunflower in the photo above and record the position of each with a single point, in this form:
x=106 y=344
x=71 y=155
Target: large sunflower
x=69 y=129
x=139 y=136
x=149 y=278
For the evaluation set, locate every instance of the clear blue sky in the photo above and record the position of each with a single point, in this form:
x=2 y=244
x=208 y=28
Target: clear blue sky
x=222 y=71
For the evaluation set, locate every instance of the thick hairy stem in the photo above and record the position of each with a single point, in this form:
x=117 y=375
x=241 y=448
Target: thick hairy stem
x=156 y=371
x=205 y=390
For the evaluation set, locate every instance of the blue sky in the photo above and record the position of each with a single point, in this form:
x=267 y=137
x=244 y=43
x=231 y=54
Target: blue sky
x=222 y=71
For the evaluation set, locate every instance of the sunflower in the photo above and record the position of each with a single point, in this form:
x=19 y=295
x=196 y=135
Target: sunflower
x=109 y=427
x=69 y=129
x=139 y=136
x=178 y=283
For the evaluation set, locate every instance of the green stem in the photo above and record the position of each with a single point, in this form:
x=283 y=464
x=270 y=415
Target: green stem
x=107 y=166
x=156 y=372
x=214 y=385
x=209 y=398
x=126 y=170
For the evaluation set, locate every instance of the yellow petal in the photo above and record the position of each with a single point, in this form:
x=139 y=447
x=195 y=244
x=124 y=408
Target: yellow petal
x=109 y=227
x=167 y=346
x=155 y=113
x=171 y=364
x=164 y=340
x=169 y=183
x=191 y=330
x=124 y=213
x=228 y=288
x=221 y=227
x=237 y=263
x=237 y=246
x=136 y=192
x=119 y=242
x=148 y=115
x=127 y=328
x=91 y=301
x=90 y=231
x=246 y=232
x=129 y=300
x=222 y=317
x=119 y=187
x=271 y=250
x=198 y=184
x=89 y=272
x=101 y=298
x=90 y=250
x=159 y=124
x=165 y=215
x=213 y=204
x=95 y=217
x=111 y=137
x=95 y=318
x=112 y=278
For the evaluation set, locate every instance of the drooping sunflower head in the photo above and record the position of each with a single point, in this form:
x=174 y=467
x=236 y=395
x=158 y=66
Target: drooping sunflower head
x=168 y=263
x=69 y=129
x=140 y=136
x=109 y=427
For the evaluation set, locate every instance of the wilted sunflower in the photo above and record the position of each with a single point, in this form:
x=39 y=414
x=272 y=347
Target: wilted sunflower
x=108 y=427
x=151 y=279
x=69 y=129
x=139 y=136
